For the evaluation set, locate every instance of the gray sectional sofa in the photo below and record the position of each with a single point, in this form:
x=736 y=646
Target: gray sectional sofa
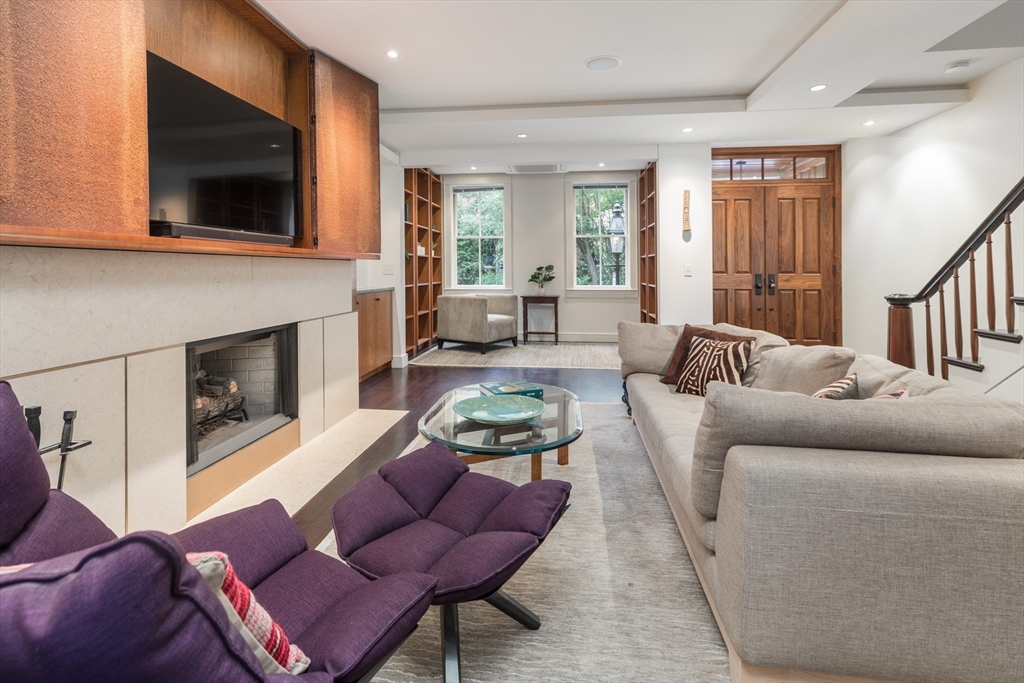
x=856 y=539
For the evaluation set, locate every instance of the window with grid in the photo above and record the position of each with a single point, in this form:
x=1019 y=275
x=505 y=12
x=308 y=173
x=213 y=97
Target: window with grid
x=479 y=236
x=601 y=235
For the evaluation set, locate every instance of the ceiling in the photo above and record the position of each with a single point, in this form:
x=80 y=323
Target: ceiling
x=471 y=76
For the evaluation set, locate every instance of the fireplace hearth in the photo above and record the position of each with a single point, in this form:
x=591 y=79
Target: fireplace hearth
x=239 y=389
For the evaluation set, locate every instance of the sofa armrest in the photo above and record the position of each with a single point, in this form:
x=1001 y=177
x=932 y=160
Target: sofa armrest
x=258 y=540
x=644 y=347
x=462 y=318
x=503 y=304
x=877 y=564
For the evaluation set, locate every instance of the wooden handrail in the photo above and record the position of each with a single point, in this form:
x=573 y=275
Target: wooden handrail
x=977 y=238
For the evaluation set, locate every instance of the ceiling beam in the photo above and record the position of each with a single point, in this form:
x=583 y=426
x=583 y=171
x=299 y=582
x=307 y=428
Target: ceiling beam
x=835 y=54
x=546 y=154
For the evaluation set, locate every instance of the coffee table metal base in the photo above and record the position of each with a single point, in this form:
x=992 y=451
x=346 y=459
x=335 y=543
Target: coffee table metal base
x=535 y=460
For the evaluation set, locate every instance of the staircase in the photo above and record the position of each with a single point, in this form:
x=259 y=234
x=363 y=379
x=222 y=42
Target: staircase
x=990 y=357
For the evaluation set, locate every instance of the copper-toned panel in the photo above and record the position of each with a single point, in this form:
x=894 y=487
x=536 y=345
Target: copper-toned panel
x=73 y=116
x=207 y=39
x=786 y=209
x=743 y=309
x=347 y=149
x=811 y=323
x=785 y=304
x=720 y=305
x=740 y=230
x=811 y=235
x=719 y=236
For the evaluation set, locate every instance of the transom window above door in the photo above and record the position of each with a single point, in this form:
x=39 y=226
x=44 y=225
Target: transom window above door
x=761 y=168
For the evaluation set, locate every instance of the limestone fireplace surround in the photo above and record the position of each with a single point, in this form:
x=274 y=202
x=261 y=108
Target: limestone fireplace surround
x=104 y=333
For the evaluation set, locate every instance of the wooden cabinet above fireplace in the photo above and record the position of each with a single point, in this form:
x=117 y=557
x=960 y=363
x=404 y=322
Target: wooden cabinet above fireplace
x=76 y=172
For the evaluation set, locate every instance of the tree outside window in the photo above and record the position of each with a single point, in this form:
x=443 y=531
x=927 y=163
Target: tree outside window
x=597 y=232
x=479 y=236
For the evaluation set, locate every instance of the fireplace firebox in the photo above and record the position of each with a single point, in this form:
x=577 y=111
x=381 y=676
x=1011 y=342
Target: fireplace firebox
x=239 y=388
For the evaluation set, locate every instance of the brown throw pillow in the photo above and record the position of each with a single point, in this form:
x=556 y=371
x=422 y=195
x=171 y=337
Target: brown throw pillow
x=682 y=350
x=710 y=360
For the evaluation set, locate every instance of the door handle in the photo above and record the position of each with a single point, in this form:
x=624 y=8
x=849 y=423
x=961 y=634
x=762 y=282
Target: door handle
x=758 y=284
x=771 y=284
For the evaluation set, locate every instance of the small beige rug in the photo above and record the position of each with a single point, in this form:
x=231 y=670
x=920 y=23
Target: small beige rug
x=613 y=585
x=587 y=356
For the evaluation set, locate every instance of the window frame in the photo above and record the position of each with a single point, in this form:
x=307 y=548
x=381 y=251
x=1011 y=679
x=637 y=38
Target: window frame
x=628 y=290
x=451 y=275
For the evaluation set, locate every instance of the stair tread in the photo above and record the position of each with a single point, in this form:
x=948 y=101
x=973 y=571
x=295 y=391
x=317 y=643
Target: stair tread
x=965 y=363
x=1001 y=335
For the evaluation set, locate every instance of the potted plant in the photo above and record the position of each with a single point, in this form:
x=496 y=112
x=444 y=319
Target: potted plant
x=541 y=276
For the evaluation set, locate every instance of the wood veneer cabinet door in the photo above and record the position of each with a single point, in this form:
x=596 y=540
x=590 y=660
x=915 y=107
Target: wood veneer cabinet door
x=346 y=159
x=73 y=116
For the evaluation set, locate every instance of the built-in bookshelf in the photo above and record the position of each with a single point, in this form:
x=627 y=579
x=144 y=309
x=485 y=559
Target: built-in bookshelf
x=423 y=251
x=647 y=220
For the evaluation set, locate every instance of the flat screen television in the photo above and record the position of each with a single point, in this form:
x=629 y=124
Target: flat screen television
x=219 y=168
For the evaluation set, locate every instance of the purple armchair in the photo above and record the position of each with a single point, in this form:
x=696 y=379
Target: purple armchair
x=96 y=607
x=426 y=512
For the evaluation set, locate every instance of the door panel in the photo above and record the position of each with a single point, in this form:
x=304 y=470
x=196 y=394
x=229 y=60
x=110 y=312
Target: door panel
x=738 y=255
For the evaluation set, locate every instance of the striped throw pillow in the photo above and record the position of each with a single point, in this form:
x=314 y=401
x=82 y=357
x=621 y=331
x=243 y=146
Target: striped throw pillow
x=902 y=393
x=260 y=632
x=713 y=361
x=840 y=389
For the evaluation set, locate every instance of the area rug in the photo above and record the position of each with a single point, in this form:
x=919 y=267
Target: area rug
x=614 y=588
x=587 y=356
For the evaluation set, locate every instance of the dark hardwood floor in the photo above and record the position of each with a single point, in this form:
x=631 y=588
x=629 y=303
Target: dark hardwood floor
x=415 y=389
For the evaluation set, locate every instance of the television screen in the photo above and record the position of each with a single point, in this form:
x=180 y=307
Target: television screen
x=216 y=160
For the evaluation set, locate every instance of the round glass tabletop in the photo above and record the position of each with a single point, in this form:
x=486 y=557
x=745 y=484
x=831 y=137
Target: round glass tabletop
x=559 y=425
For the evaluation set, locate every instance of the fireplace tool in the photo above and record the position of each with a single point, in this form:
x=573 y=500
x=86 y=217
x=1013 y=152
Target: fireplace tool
x=66 y=445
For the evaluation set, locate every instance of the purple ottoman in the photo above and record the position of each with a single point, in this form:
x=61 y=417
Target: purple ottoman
x=427 y=513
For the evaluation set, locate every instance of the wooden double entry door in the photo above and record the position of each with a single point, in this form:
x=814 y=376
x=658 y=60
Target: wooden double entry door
x=776 y=259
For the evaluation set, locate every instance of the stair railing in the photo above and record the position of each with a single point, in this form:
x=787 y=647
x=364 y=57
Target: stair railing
x=901 y=317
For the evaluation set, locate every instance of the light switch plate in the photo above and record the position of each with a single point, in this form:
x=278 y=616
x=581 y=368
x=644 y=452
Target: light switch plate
x=687 y=270
x=389 y=269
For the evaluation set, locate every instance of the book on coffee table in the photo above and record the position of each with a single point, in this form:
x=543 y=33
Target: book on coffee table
x=509 y=388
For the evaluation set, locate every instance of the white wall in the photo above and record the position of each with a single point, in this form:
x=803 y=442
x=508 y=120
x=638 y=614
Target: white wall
x=683 y=299
x=389 y=271
x=538 y=234
x=911 y=198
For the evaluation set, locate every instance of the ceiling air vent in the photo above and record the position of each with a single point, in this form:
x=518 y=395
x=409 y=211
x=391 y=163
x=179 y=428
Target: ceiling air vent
x=535 y=168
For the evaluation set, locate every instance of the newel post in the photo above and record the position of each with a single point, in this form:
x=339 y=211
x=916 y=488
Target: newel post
x=901 y=329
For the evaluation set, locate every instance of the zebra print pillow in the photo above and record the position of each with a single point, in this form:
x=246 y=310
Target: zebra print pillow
x=840 y=389
x=713 y=361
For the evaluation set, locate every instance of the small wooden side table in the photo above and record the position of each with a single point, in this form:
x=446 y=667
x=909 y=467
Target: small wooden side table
x=548 y=300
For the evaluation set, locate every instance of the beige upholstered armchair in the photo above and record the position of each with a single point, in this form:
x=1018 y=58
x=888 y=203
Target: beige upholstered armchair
x=477 y=319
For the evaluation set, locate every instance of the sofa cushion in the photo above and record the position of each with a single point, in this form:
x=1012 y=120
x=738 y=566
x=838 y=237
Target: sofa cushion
x=500 y=327
x=25 y=484
x=61 y=526
x=682 y=349
x=803 y=369
x=967 y=425
x=876 y=376
x=713 y=361
x=644 y=347
x=763 y=341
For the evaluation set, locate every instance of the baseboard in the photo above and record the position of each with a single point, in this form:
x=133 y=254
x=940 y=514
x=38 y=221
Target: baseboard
x=585 y=337
x=400 y=361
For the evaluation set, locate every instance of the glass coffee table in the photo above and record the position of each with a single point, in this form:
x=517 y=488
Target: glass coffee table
x=559 y=425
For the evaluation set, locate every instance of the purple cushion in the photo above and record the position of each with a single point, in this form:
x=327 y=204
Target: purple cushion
x=258 y=540
x=25 y=484
x=129 y=610
x=534 y=508
x=369 y=510
x=355 y=633
x=467 y=504
x=62 y=526
x=413 y=548
x=424 y=476
x=481 y=564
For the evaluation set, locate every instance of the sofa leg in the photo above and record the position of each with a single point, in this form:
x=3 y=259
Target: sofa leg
x=508 y=605
x=515 y=341
x=625 y=399
x=440 y=343
x=450 y=643
x=483 y=349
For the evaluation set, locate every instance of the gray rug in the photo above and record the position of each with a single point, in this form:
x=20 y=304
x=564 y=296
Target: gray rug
x=533 y=355
x=613 y=584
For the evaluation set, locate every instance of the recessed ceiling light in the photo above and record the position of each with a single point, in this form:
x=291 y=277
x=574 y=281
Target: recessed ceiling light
x=275 y=146
x=600 y=164
x=472 y=168
x=687 y=130
x=868 y=123
x=521 y=135
x=602 y=63
x=818 y=88
x=392 y=54
x=953 y=67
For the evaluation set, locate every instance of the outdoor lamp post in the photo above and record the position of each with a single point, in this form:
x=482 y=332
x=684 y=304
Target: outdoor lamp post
x=617 y=239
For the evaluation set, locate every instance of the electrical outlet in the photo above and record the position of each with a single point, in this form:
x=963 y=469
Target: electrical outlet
x=389 y=269
x=687 y=270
